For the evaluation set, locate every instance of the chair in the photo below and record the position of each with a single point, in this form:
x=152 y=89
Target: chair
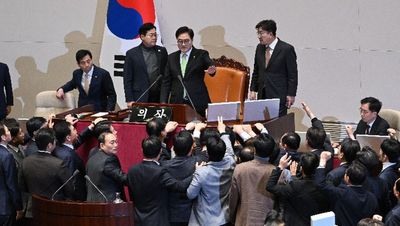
x=230 y=83
x=47 y=103
x=393 y=118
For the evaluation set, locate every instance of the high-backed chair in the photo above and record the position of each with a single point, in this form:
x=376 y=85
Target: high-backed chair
x=393 y=118
x=230 y=83
x=47 y=103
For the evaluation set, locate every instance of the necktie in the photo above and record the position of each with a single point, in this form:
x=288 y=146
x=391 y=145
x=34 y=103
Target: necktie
x=86 y=83
x=367 y=130
x=267 y=56
x=183 y=64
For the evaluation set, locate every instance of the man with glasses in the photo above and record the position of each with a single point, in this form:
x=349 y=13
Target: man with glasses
x=144 y=66
x=275 y=68
x=187 y=66
x=370 y=123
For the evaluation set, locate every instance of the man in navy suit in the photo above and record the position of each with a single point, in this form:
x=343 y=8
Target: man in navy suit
x=389 y=155
x=94 y=84
x=275 y=68
x=10 y=195
x=6 y=98
x=143 y=68
x=188 y=66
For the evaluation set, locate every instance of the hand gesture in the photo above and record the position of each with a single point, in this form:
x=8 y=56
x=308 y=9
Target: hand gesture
x=171 y=126
x=200 y=126
x=285 y=161
x=190 y=126
x=221 y=126
x=60 y=94
x=259 y=126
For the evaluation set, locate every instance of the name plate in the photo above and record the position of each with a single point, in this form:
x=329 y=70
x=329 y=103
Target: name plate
x=144 y=114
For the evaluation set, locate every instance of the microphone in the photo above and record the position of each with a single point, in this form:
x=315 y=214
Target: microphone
x=148 y=89
x=91 y=182
x=65 y=183
x=187 y=93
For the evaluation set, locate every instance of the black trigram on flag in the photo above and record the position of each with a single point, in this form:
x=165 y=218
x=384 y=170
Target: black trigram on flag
x=119 y=61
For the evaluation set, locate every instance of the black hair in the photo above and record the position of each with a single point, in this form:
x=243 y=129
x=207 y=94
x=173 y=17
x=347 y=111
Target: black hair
x=349 y=148
x=216 y=149
x=184 y=29
x=292 y=140
x=370 y=159
x=370 y=222
x=12 y=125
x=33 y=124
x=44 y=137
x=264 y=145
x=391 y=148
x=151 y=147
x=80 y=54
x=356 y=173
x=309 y=163
x=101 y=127
x=374 y=104
x=183 y=143
x=62 y=130
x=274 y=218
x=316 y=137
x=145 y=28
x=155 y=126
x=207 y=133
x=246 y=154
x=267 y=25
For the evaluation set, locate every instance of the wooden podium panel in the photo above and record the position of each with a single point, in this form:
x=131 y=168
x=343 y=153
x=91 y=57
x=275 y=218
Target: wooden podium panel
x=63 y=213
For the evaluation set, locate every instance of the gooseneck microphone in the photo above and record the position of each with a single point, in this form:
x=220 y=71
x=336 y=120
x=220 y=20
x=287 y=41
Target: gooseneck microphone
x=65 y=183
x=91 y=182
x=148 y=89
x=187 y=93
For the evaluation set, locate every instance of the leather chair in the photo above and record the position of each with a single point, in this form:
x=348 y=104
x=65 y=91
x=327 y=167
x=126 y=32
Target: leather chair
x=47 y=103
x=230 y=83
x=393 y=118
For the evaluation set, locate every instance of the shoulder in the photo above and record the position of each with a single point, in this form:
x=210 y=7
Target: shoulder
x=284 y=45
x=99 y=70
x=161 y=48
x=4 y=153
x=381 y=121
x=133 y=50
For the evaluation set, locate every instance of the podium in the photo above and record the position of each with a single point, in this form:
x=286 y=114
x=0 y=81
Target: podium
x=64 y=213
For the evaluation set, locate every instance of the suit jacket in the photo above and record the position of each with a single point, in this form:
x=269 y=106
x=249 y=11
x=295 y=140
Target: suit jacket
x=148 y=194
x=336 y=175
x=101 y=89
x=390 y=175
x=181 y=168
x=73 y=162
x=136 y=77
x=393 y=217
x=347 y=200
x=379 y=188
x=10 y=195
x=379 y=127
x=249 y=203
x=279 y=79
x=172 y=89
x=105 y=171
x=301 y=198
x=6 y=93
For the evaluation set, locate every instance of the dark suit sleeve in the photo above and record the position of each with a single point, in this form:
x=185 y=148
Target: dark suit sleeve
x=254 y=77
x=284 y=190
x=173 y=184
x=83 y=137
x=208 y=61
x=108 y=86
x=113 y=170
x=128 y=77
x=329 y=190
x=291 y=67
x=63 y=175
x=11 y=178
x=8 y=86
x=70 y=85
x=166 y=84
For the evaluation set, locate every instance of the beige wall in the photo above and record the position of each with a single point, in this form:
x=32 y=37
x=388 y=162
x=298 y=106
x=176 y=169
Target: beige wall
x=346 y=49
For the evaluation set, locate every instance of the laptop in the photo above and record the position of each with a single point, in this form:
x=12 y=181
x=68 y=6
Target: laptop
x=228 y=110
x=373 y=141
x=260 y=110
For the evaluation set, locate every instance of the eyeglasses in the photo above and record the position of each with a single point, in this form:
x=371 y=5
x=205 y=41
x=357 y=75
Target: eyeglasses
x=151 y=35
x=261 y=33
x=184 y=41
x=362 y=111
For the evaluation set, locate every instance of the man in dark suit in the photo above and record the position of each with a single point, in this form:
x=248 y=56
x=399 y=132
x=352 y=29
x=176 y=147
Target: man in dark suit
x=6 y=98
x=10 y=195
x=188 y=66
x=351 y=202
x=105 y=171
x=389 y=156
x=66 y=136
x=275 y=68
x=393 y=217
x=299 y=193
x=370 y=123
x=94 y=84
x=144 y=66
x=44 y=173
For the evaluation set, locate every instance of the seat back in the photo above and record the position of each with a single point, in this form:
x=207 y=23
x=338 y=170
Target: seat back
x=47 y=103
x=393 y=118
x=230 y=83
